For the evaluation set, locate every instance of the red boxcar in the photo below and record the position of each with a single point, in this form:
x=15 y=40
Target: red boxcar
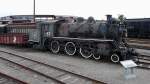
x=14 y=38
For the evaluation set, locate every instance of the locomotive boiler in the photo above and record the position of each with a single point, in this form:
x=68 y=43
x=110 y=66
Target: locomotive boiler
x=89 y=38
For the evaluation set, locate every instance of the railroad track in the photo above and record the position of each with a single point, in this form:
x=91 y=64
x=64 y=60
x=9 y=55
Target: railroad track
x=139 y=43
x=142 y=41
x=144 y=61
x=24 y=73
x=45 y=71
x=5 y=79
x=137 y=39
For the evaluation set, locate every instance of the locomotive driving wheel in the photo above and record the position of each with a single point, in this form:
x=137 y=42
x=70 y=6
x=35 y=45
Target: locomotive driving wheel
x=86 y=51
x=70 y=48
x=115 y=58
x=96 y=56
x=55 y=46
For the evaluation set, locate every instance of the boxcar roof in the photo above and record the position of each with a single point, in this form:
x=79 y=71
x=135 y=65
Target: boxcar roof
x=22 y=25
x=138 y=20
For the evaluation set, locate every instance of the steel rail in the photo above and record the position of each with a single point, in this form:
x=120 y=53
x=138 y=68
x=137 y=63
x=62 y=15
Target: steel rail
x=33 y=70
x=13 y=78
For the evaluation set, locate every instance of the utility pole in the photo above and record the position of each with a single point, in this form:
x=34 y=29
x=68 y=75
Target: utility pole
x=34 y=10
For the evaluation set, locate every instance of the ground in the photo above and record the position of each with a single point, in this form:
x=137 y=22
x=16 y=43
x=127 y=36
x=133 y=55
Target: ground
x=101 y=70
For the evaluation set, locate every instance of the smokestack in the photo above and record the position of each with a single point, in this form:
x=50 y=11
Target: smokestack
x=109 y=17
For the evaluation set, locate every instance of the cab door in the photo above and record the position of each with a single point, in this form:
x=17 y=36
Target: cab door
x=47 y=31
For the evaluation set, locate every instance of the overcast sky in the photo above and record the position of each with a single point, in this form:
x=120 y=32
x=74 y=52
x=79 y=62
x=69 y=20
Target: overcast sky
x=84 y=8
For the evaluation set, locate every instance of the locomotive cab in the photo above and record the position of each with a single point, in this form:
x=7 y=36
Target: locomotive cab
x=40 y=35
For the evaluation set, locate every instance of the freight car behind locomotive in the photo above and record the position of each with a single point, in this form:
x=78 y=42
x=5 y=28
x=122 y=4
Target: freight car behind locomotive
x=15 y=29
x=90 y=38
x=139 y=28
x=16 y=33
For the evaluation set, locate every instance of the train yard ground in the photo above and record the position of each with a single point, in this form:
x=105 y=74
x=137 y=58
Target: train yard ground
x=34 y=71
x=77 y=70
x=5 y=79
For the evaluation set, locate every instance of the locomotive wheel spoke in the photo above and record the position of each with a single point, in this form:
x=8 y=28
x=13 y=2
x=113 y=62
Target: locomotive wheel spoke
x=55 y=46
x=70 y=48
x=86 y=52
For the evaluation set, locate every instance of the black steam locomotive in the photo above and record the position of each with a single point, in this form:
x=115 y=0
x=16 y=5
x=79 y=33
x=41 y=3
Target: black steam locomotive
x=72 y=35
x=89 y=38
